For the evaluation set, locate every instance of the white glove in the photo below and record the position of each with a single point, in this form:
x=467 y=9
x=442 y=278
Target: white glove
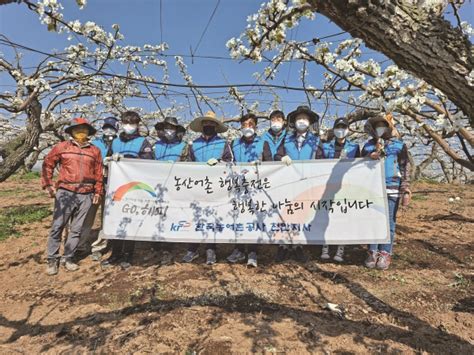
x=256 y=162
x=212 y=161
x=107 y=160
x=116 y=157
x=287 y=160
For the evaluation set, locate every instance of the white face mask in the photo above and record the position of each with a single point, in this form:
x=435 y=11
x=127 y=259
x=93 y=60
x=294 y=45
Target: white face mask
x=248 y=132
x=276 y=126
x=302 y=124
x=341 y=132
x=109 y=131
x=130 y=128
x=169 y=133
x=380 y=131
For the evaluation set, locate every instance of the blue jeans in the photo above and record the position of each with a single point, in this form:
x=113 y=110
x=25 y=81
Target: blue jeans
x=393 y=202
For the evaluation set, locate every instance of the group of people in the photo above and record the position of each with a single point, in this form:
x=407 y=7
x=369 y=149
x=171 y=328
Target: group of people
x=82 y=161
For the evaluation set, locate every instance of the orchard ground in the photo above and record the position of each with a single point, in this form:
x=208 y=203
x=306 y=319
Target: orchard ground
x=424 y=303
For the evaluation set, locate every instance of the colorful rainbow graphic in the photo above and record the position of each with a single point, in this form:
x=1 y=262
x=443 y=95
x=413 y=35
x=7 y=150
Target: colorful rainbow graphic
x=131 y=186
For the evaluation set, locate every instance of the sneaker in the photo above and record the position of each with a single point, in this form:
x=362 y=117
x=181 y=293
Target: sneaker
x=236 y=256
x=52 y=268
x=339 y=257
x=299 y=255
x=70 y=266
x=126 y=262
x=252 y=260
x=371 y=260
x=282 y=254
x=166 y=258
x=325 y=252
x=190 y=256
x=210 y=256
x=384 y=260
x=96 y=256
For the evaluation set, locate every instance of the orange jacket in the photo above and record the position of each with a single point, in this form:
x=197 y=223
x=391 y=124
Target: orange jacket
x=80 y=168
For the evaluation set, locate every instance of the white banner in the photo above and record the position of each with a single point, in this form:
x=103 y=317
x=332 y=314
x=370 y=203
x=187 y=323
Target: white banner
x=308 y=202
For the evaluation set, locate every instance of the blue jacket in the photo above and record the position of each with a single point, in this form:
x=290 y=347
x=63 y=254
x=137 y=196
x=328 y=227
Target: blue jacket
x=102 y=145
x=169 y=151
x=309 y=149
x=349 y=151
x=246 y=152
x=271 y=144
x=396 y=162
x=129 y=149
x=202 y=150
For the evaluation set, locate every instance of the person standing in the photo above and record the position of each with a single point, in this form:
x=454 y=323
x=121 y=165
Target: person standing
x=338 y=148
x=104 y=143
x=129 y=144
x=79 y=185
x=299 y=145
x=209 y=148
x=385 y=144
x=246 y=149
x=171 y=148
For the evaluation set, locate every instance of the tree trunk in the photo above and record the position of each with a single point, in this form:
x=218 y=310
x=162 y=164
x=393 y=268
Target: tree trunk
x=24 y=144
x=424 y=44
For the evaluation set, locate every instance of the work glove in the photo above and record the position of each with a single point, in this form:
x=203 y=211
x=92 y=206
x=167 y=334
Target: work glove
x=107 y=160
x=287 y=160
x=256 y=162
x=212 y=162
x=116 y=157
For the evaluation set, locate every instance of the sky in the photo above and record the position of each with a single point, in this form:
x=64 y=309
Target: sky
x=182 y=25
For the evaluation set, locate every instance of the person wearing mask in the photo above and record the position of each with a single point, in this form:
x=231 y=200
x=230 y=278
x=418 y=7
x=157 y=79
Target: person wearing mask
x=246 y=149
x=209 y=148
x=104 y=143
x=338 y=148
x=299 y=145
x=171 y=148
x=385 y=144
x=129 y=144
x=274 y=136
x=79 y=185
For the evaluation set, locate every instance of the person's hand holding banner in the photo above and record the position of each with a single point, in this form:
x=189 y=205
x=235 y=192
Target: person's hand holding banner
x=212 y=162
x=51 y=191
x=116 y=157
x=287 y=160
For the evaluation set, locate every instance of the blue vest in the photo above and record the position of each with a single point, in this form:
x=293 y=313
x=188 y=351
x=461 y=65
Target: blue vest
x=308 y=149
x=129 y=149
x=273 y=142
x=247 y=152
x=348 y=151
x=393 y=148
x=103 y=147
x=169 y=151
x=205 y=150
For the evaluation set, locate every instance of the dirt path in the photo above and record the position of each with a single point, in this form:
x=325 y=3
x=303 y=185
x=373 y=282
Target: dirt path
x=424 y=303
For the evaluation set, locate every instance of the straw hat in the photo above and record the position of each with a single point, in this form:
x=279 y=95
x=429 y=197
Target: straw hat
x=197 y=123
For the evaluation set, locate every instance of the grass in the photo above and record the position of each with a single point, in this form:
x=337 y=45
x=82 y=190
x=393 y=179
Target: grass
x=12 y=217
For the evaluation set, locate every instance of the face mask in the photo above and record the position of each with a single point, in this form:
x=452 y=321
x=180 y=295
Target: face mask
x=248 y=132
x=380 y=131
x=109 y=131
x=130 y=128
x=276 y=126
x=341 y=132
x=302 y=125
x=80 y=134
x=169 y=133
x=209 y=131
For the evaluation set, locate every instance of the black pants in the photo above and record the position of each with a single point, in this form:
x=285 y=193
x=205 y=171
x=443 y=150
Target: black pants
x=251 y=248
x=123 y=248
